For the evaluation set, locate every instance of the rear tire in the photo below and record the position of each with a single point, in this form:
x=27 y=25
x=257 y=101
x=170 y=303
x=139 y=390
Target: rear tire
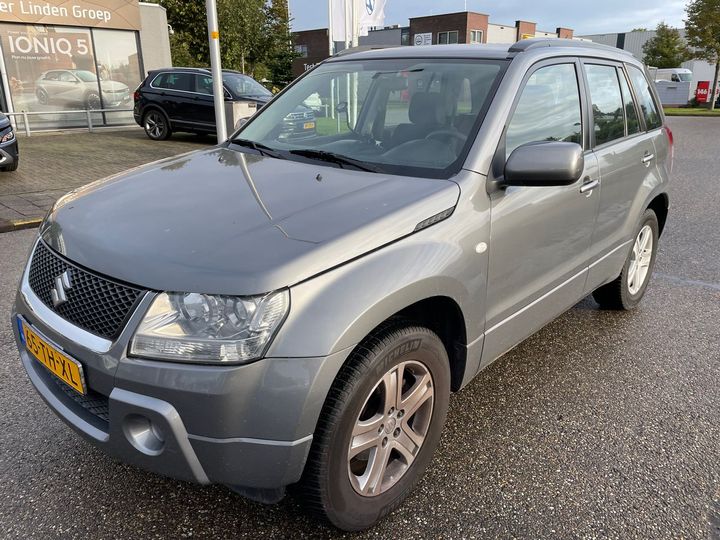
x=626 y=291
x=398 y=431
x=156 y=125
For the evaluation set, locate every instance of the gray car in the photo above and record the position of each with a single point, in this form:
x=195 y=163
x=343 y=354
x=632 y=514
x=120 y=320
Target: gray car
x=270 y=311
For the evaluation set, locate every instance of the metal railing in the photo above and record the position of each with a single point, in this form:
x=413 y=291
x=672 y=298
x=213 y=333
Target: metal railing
x=87 y=112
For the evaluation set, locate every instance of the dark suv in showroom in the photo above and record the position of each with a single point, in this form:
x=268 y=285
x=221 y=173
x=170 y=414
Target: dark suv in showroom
x=181 y=99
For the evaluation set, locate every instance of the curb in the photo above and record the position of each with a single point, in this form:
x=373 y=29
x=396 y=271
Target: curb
x=19 y=224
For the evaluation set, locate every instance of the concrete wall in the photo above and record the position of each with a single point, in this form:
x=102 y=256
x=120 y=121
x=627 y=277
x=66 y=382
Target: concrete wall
x=498 y=33
x=154 y=37
x=543 y=34
x=386 y=36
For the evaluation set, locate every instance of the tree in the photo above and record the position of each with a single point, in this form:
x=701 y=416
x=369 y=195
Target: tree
x=702 y=28
x=254 y=36
x=281 y=49
x=667 y=49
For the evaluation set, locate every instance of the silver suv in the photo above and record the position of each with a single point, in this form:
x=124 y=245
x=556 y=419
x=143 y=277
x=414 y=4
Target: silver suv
x=272 y=311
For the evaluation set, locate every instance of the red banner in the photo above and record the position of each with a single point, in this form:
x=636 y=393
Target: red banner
x=702 y=91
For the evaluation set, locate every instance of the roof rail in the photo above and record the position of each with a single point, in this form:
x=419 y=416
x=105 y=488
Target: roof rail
x=363 y=48
x=536 y=43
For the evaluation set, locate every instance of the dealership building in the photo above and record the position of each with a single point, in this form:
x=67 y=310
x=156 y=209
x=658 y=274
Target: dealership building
x=463 y=27
x=59 y=58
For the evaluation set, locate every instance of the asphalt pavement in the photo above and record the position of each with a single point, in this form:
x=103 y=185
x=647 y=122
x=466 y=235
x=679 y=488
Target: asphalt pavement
x=601 y=425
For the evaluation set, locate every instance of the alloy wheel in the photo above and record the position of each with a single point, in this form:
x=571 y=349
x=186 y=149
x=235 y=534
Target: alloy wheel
x=154 y=125
x=391 y=428
x=640 y=260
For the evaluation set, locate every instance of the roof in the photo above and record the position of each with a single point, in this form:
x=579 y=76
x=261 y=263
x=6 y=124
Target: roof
x=486 y=51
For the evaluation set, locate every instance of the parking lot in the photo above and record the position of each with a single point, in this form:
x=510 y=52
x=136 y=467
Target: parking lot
x=603 y=424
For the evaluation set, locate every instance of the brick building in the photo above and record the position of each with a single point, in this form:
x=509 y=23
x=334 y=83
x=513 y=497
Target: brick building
x=462 y=27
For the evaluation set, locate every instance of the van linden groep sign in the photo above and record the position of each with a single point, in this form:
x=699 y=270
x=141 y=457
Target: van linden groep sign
x=121 y=14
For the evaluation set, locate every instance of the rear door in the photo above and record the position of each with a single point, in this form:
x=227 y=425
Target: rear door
x=204 y=107
x=626 y=156
x=540 y=236
x=174 y=94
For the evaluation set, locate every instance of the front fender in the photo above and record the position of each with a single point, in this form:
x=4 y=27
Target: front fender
x=336 y=310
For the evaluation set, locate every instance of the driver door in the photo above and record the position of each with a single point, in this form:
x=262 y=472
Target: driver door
x=540 y=236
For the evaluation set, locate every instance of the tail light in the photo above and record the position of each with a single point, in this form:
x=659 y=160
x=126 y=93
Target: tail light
x=136 y=95
x=671 y=144
x=669 y=134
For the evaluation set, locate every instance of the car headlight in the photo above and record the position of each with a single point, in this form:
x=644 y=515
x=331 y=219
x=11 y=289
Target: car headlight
x=206 y=328
x=9 y=136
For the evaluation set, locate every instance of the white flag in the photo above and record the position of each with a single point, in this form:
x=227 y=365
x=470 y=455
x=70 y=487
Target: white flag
x=338 y=26
x=372 y=13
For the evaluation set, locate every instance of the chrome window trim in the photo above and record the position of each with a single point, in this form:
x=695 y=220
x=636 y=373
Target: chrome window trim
x=227 y=92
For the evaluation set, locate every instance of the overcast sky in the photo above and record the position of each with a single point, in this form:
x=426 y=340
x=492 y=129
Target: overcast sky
x=584 y=16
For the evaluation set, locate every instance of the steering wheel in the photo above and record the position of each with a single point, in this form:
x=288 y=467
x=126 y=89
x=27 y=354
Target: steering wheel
x=441 y=133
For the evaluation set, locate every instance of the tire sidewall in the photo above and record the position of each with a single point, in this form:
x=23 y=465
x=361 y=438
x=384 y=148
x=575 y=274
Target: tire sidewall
x=631 y=300
x=344 y=506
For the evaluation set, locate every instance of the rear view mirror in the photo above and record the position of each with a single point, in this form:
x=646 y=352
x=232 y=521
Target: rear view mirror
x=544 y=164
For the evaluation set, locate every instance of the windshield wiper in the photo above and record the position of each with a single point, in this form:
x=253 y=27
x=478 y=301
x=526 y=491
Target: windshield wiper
x=261 y=148
x=331 y=157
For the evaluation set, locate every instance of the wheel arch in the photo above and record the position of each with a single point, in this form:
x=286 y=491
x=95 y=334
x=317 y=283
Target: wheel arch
x=660 y=205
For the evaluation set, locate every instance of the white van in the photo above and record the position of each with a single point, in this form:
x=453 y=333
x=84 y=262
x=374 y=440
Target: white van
x=672 y=74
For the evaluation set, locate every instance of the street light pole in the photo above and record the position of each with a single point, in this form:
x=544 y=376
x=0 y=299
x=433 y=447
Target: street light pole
x=218 y=89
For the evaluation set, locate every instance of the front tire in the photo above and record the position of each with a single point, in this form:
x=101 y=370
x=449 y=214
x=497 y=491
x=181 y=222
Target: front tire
x=626 y=291
x=375 y=437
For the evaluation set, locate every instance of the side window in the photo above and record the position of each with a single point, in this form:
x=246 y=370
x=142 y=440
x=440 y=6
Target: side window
x=607 y=105
x=548 y=109
x=52 y=76
x=66 y=77
x=633 y=122
x=175 y=81
x=645 y=99
x=204 y=84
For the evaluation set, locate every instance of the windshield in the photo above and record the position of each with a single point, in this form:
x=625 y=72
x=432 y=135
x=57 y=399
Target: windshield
x=410 y=116
x=685 y=77
x=242 y=85
x=85 y=76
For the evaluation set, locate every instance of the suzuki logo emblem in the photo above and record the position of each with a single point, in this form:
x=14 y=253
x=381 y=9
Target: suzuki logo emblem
x=62 y=285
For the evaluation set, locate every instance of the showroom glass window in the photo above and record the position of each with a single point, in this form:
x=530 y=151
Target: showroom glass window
x=54 y=68
x=30 y=52
x=118 y=66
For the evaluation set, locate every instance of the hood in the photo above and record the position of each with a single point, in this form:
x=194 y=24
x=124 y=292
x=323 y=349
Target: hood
x=112 y=86
x=228 y=222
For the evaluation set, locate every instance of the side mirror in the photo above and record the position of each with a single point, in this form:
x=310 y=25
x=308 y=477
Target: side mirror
x=341 y=107
x=544 y=164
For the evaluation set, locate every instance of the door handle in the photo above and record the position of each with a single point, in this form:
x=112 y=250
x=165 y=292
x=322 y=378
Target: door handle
x=647 y=158
x=589 y=185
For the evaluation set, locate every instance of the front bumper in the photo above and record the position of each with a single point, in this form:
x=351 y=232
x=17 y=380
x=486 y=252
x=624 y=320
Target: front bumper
x=9 y=153
x=245 y=426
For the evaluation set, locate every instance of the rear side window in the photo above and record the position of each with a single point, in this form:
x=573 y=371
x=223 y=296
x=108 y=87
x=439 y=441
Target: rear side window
x=204 y=84
x=548 y=109
x=633 y=122
x=607 y=105
x=645 y=99
x=175 y=81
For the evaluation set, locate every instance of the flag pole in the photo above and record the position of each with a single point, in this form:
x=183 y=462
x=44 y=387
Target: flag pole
x=215 y=64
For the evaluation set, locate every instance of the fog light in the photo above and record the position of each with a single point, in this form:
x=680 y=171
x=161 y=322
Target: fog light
x=144 y=434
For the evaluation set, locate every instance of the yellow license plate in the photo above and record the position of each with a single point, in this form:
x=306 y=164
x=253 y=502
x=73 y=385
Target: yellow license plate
x=309 y=125
x=67 y=370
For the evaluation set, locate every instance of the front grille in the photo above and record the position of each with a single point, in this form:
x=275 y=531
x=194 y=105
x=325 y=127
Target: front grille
x=94 y=303
x=92 y=401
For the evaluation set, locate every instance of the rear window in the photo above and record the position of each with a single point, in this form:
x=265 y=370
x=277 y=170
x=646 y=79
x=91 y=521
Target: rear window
x=645 y=99
x=175 y=81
